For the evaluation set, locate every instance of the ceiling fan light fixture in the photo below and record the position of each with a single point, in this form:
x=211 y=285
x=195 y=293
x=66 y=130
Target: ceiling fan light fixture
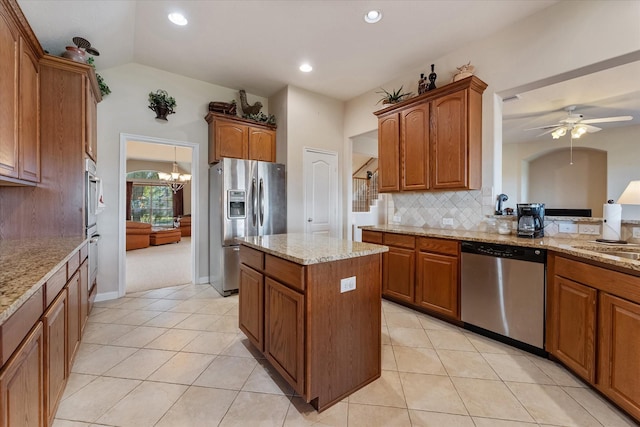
x=372 y=16
x=578 y=131
x=556 y=134
x=178 y=19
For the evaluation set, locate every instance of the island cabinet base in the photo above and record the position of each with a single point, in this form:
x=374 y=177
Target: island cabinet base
x=325 y=342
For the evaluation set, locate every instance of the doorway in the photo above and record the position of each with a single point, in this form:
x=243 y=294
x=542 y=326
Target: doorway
x=320 y=169
x=168 y=260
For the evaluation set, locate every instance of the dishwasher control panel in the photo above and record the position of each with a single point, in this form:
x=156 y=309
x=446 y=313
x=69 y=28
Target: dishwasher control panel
x=505 y=251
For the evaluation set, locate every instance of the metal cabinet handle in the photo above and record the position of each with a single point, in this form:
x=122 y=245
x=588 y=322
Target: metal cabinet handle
x=254 y=204
x=310 y=220
x=261 y=201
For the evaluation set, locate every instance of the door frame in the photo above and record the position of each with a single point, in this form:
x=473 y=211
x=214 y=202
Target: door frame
x=122 y=204
x=336 y=230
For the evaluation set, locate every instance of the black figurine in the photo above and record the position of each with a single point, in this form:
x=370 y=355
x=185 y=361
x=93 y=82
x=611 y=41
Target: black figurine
x=432 y=79
x=422 y=84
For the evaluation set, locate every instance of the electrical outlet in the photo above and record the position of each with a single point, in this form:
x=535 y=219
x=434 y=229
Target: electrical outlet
x=348 y=284
x=397 y=218
x=636 y=232
x=567 y=227
x=588 y=229
x=447 y=221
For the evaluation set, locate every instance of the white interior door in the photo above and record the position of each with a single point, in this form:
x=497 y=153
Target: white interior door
x=321 y=192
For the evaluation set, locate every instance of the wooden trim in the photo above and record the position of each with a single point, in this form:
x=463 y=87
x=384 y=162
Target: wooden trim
x=25 y=29
x=76 y=67
x=236 y=119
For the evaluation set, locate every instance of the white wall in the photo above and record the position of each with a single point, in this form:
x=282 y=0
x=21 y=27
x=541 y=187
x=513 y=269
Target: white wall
x=314 y=121
x=125 y=111
x=535 y=48
x=623 y=165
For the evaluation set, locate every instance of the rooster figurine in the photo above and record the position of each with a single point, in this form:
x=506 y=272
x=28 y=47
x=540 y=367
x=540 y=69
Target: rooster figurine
x=246 y=108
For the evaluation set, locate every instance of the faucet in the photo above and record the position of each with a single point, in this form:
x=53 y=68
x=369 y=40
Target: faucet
x=501 y=198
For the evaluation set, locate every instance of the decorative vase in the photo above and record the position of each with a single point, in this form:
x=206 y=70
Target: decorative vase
x=432 y=79
x=75 y=54
x=162 y=111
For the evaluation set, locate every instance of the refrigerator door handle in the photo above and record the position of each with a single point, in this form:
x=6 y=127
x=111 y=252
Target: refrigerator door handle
x=254 y=202
x=261 y=201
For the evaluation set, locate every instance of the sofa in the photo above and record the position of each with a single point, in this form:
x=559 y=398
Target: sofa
x=138 y=235
x=185 y=226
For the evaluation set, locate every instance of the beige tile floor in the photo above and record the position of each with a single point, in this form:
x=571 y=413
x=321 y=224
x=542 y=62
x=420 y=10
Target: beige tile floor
x=175 y=357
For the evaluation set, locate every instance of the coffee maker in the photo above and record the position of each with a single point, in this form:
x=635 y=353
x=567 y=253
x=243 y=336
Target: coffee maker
x=530 y=219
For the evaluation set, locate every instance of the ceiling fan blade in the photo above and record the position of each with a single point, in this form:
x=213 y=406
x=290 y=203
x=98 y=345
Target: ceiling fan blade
x=607 y=119
x=544 y=127
x=590 y=129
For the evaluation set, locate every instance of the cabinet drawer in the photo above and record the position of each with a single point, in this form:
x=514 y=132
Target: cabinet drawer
x=441 y=246
x=13 y=331
x=55 y=284
x=73 y=264
x=84 y=253
x=400 y=240
x=371 y=236
x=285 y=271
x=251 y=257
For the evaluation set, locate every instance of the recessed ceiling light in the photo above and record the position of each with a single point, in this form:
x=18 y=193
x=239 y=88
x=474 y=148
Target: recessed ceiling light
x=178 y=18
x=306 y=68
x=372 y=16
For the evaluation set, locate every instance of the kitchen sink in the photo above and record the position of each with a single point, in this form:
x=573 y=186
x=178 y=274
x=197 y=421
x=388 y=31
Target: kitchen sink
x=623 y=252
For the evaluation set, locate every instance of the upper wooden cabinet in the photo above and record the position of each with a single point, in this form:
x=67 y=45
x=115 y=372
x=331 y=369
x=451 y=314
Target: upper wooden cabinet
x=19 y=121
x=91 y=120
x=239 y=138
x=433 y=141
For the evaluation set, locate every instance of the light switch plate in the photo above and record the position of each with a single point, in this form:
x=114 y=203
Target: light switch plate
x=397 y=218
x=636 y=232
x=348 y=284
x=568 y=227
x=588 y=229
x=447 y=221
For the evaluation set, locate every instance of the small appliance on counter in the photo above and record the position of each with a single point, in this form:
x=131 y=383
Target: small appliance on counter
x=530 y=219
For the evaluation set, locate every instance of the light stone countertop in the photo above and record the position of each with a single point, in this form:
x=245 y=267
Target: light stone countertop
x=308 y=249
x=579 y=248
x=26 y=265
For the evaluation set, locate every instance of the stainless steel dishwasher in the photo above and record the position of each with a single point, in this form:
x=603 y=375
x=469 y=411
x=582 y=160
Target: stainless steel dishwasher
x=503 y=292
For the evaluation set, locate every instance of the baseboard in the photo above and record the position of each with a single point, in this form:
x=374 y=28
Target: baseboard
x=106 y=296
x=203 y=280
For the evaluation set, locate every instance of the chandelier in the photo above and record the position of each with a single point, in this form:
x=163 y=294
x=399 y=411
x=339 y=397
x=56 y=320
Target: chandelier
x=174 y=180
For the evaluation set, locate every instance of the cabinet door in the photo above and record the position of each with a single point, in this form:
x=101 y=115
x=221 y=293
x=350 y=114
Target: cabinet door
x=251 y=305
x=262 y=145
x=230 y=140
x=73 y=318
x=22 y=384
x=91 y=120
x=572 y=325
x=449 y=142
x=29 y=117
x=619 y=347
x=284 y=332
x=437 y=283
x=398 y=274
x=389 y=153
x=56 y=371
x=9 y=84
x=414 y=149
x=84 y=294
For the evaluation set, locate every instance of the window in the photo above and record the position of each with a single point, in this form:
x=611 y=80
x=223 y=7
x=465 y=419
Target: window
x=152 y=203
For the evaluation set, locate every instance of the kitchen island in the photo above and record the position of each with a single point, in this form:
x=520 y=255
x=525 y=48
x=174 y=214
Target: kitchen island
x=312 y=305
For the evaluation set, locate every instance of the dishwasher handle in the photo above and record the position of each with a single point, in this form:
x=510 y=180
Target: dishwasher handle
x=522 y=253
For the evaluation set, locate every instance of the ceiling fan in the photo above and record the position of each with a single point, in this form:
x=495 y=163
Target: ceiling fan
x=575 y=125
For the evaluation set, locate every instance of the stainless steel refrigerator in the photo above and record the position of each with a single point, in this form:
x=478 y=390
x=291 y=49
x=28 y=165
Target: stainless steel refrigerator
x=246 y=198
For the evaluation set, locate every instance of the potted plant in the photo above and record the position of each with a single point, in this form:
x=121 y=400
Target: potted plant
x=393 y=97
x=161 y=103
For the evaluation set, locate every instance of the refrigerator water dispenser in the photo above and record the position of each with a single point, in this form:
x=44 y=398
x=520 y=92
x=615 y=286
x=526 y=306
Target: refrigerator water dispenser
x=237 y=201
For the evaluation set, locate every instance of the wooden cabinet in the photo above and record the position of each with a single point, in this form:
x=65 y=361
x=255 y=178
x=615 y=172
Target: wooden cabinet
x=572 y=312
x=433 y=141
x=91 y=120
x=19 y=121
x=619 y=347
x=84 y=294
x=593 y=326
x=325 y=343
x=240 y=139
x=56 y=355
x=74 y=326
x=437 y=283
x=422 y=272
x=284 y=332
x=22 y=384
x=251 y=305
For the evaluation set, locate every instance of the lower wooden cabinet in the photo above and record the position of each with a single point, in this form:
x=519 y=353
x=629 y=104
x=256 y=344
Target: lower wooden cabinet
x=56 y=356
x=437 y=283
x=251 y=305
x=22 y=384
x=74 y=327
x=619 y=352
x=571 y=337
x=398 y=273
x=284 y=332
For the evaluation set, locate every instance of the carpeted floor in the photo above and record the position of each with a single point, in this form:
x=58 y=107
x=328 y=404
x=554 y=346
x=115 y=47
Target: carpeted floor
x=159 y=266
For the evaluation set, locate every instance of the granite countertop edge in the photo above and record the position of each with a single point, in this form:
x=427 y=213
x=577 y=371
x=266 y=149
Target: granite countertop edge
x=307 y=249
x=573 y=247
x=28 y=264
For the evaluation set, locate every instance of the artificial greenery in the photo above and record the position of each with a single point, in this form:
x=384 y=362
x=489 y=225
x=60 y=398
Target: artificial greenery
x=160 y=98
x=104 y=88
x=261 y=117
x=393 y=97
